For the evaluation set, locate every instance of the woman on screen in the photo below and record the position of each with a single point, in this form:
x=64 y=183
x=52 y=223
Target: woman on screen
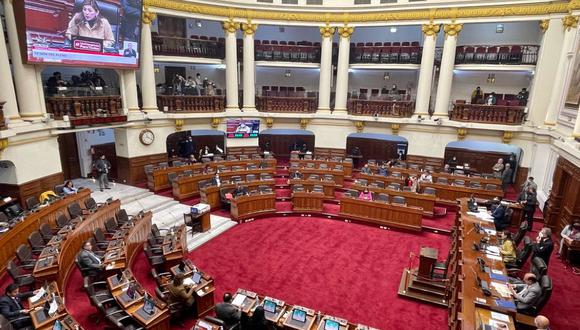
x=89 y=23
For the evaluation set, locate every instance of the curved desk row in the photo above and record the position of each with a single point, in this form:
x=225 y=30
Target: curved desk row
x=347 y=165
x=426 y=202
x=243 y=207
x=307 y=201
x=188 y=186
x=211 y=194
x=328 y=187
x=158 y=179
x=337 y=175
x=450 y=177
x=17 y=235
x=381 y=213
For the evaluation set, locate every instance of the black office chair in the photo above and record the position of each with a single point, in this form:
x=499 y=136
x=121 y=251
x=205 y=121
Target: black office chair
x=46 y=232
x=58 y=189
x=156 y=233
x=177 y=310
x=382 y=197
x=74 y=210
x=521 y=233
x=100 y=236
x=25 y=256
x=98 y=293
x=19 y=276
x=61 y=220
x=162 y=278
x=32 y=202
x=123 y=217
x=36 y=242
x=533 y=310
x=155 y=260
x=111 y=226
x=91 y=204
x=399 y=200
x=85 y=272
x=395 y=186
x=351 y=193
x=6 y=324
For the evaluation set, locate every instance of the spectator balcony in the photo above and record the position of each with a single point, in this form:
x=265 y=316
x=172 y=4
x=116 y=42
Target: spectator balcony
x=504 y=112
x=195 y=46
x=502 y=55
x=387 y=52
x=283 y=99
x=395 y=104
x=86 y=110
x=191 y=103
x=287 y=51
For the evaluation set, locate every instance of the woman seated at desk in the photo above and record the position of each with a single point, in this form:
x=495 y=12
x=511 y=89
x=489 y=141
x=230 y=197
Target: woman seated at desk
x=508 y=250
x=366 y=195
x=69 y=188
x=181 y=293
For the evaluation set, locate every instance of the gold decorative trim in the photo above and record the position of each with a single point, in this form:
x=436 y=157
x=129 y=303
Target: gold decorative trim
x=395 y=128
x=544 y=25
x=431 y=30
x=249 y=28
x=507 y=137
x=550 y=123
x=215 y=122
x=452 y=30
x=179 y=124
x=360 y=125
x=345 y=31
x=557 y=7
x=303 y=123
x=230 y=26
x=33 y=114
x=3 y=145
x=327 y=31
x=461 y=133
x=570 y=22
x=148 y=16
x=269 y=122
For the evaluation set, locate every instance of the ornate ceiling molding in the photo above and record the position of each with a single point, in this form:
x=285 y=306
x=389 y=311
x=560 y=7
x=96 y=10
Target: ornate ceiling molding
x=559 y=7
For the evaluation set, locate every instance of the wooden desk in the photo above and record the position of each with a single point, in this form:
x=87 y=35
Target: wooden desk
x=407 y=217
x=450 y=177
x=248 y=206
x=307 y=201
x=424 y=201
x=328 y=187
x=211 y=194
x=347 y=166
x=158 y=180
x=175 y=246
x=10 y=240
x=338 y=176
x=188 y=186
x=67 y=321
x=449 y=193
x=204 y=291
x=204 y=220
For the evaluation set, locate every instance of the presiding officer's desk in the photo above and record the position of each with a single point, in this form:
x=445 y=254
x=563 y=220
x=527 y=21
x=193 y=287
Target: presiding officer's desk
x=251 y=205
x=10 y=240
x=471 y=307
x=424 y=201
x=204 y=290
x=158 y=178
x=307 y=201
x=381 y=213
x=346 y=165
x=158 y=320
x=327 y=186
x=211 y=194
x=188 y=186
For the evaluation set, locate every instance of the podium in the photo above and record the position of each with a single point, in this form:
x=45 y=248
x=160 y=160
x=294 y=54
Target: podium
x=418 y=283
x=427 y=260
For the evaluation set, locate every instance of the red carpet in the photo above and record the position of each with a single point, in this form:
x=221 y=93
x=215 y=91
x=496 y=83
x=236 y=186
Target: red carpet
x=445 y=223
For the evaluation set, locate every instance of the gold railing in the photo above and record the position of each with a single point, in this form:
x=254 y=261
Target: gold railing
x=381 y=108
x=188 y=103
x=492 y=114
x=286 y=104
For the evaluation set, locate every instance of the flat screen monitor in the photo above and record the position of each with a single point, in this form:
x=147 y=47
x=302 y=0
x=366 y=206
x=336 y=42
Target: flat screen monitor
x=242 y=128
x=269 y=306
x=57 y=325
x=331 y=325
x=148 y=305
x=299 y=315
x=196 y=277
x=86 y=33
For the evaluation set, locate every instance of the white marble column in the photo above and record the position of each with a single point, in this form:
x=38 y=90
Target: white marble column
x=249 y=73
x=7 y=93
x=230 y=28
x=426 y=72
x=26 y=77
x=576 y=132
x=128 y=90
x=446 y=71
x=570 y=24
x=342 y=69
x=148 y=90
x=326 y=32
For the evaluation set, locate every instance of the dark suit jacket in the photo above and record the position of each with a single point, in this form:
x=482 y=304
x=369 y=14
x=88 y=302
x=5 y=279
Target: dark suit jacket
x=241 y=191
x=543 y=250
x=11 y=310
x=530 y=204
x=506 y=176
x=87 y=261
x=228 y=313
x=499 y=217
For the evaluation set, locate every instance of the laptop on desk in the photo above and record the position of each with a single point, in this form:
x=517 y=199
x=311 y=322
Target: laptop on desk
x=297 y=319
x=270 y=311
x=331 y=325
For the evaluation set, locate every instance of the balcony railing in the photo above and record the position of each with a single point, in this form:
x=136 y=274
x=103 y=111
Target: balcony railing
x=491 y=114
x=378 y=52
x=2 y=120
x=302 y=51
x=381 y=108
x=286 y=104
x=86 y=110
x=191 y=104
x=514 y=54
x=193 y=47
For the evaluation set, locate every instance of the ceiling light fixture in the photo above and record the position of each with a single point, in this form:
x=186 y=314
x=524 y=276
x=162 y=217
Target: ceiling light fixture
x=198 y=23
x=393 y=29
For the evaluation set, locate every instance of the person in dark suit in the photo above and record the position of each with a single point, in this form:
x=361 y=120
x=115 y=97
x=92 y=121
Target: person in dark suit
x=129 y=51
x=227 y=312
x=526 y=295
x=258 y=320
x=544 y=245
x=499 y=216
x=12 y=309
x=529 y=202
x=90 y=261
x=506 y=176
x=181 y=293
x=103 y=166
x=296 y=175
x=240 y=190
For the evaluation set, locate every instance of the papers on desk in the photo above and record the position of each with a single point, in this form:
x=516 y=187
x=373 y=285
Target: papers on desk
x=490 y=231
x=239 y=300
x=492 y=249
x=497 y=325
x=53 y=307
x=188 y=281
x=202 y=325
x=501 y=288
x=500 y=317
x=110 y=266
x=38 y=295
x=482 y=216
x=493 y=257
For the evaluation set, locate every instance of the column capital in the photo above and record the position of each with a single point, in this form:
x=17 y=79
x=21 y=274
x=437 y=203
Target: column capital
x=327 y=31
x=230 y=26
x=249 y=28
x=148 y=16
x=544 y=25
x=431 y=30
x=345 y=31
x=570 y=22
x=452 y=29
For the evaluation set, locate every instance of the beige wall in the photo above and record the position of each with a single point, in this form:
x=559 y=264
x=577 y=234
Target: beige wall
x=33 y=155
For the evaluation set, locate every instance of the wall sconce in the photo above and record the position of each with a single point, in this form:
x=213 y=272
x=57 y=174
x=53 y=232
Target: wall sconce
x=491 y=78
x=198 y=23
x=156 y=69
x=386 y=76
x=288 y=74
x=393 y=29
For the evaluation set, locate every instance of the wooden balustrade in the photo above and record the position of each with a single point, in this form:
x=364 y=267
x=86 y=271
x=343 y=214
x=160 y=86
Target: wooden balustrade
x=286 y=104
x=189 y=103
x=381 y=108
x=174 y=46
x=2 y=120
x=84 y=106
x=492 y=114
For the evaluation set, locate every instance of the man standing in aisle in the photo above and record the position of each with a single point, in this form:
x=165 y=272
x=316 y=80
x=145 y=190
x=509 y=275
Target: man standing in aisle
x=103 y=166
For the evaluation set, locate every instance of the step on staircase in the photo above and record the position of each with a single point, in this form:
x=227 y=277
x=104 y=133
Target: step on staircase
x=431 y=291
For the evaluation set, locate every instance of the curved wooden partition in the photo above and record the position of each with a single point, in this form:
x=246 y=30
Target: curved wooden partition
x=17 y=235
x=137 y=236
x=406 y=217
x=211 y=194
x=247 y=206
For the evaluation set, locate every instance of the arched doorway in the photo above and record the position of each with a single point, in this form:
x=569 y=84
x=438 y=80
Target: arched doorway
x=376 y=146
x=178 y=148
x=282 y=141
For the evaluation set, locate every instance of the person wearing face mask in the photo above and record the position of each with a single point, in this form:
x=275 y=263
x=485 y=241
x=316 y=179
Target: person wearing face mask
x=89 y=23
x=570 y=233
x=544 y=245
